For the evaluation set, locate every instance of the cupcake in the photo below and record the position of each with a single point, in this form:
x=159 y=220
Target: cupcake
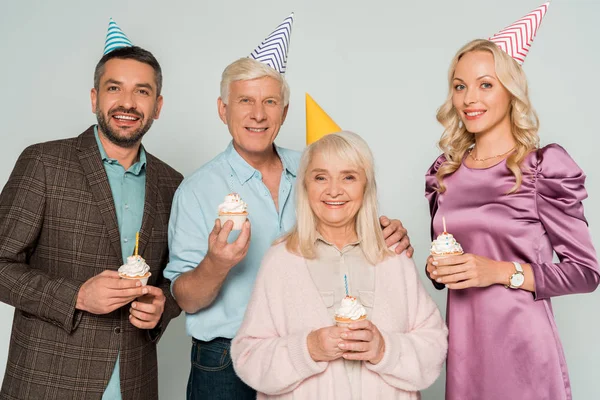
x=445 y=246
x=234 y=209
x=350 y=311
x=135 y=268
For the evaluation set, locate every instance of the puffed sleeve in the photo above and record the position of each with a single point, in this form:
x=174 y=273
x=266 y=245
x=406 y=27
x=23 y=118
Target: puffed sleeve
x=432 y=186
x=559 y=192
x=431 y=194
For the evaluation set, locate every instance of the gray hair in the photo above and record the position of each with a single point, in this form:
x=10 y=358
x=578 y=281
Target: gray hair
x=247 y=69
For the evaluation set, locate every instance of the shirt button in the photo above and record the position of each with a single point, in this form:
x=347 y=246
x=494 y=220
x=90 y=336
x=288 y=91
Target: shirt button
x=127 y=206
x=117 y=330
x=126 y=240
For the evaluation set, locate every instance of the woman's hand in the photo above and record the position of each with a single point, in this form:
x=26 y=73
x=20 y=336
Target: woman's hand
x=430 y=268
x=323 y=343
x=469 y=270
x=363 y=341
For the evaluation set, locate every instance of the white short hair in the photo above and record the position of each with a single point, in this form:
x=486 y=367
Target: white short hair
x=247 y=69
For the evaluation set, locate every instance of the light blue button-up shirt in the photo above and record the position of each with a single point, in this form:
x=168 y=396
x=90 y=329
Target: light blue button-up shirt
x=128 y=190
x=193 y=214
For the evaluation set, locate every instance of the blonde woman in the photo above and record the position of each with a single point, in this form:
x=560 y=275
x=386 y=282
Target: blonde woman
x=288 y=346
x=510 y=204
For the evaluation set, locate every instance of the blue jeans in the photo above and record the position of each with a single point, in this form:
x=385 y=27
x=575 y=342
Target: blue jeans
x=212 y=376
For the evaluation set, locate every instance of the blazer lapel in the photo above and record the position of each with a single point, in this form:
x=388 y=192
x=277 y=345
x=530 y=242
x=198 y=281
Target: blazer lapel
x=149 y=204
x=89 y=157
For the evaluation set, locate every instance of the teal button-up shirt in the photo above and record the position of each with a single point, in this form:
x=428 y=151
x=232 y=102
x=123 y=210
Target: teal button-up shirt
x=193 y=214
x=128 y=190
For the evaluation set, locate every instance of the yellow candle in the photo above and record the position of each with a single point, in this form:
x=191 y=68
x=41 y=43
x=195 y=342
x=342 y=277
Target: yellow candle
x=137 y=241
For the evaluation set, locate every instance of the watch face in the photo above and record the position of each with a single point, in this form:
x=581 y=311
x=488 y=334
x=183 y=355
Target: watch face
x=517 y=280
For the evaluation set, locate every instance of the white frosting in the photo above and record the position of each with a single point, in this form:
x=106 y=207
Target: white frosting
x=351 y=308
x=233 y=205
x=135 y=266
x=445 y=244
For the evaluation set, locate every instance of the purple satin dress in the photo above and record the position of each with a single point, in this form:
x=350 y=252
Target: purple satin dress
x=503 y=343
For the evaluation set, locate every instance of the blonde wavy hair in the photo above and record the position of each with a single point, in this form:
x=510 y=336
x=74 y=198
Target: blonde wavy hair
x=456 y=140
x=344 y=146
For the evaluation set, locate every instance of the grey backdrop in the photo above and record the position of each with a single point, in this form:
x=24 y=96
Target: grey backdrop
x=377 y=67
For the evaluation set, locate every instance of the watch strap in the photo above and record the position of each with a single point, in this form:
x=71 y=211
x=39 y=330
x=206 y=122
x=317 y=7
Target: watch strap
x=518 y=266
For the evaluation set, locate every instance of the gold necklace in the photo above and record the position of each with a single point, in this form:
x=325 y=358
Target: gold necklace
x=487 y=158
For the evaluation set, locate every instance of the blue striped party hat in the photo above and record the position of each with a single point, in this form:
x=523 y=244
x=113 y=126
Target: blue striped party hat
x=115 y=38
x=273 y=50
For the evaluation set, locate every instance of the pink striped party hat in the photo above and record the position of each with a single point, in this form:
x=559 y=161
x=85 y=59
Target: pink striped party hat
x=516 y=39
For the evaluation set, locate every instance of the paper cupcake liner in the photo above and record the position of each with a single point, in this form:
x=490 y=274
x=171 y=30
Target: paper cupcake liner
x=143 y=279
x=237 y=219
x=344 y=322
x=445 y=255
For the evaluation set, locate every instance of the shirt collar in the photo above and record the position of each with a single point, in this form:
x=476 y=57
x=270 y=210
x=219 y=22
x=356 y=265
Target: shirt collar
x=136 y=168
x=245 y=171
x=289 y=164
x=322 y=239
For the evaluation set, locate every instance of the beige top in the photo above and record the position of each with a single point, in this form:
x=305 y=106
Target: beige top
x=327 y=272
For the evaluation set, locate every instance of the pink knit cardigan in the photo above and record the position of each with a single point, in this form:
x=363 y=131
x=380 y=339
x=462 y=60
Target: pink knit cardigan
x=271 y=355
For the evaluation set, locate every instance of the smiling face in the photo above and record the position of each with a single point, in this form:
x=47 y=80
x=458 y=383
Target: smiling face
x=254 y=114
x=126 y=101
x=335 y=191
x=481 y=101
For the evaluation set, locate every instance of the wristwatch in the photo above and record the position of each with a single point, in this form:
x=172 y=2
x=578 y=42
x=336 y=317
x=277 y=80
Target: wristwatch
x=517 y=279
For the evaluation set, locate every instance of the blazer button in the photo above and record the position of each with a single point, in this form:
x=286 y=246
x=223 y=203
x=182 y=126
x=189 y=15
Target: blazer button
x=117 y=330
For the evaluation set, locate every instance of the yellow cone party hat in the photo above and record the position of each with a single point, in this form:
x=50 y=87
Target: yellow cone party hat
x=318 y=123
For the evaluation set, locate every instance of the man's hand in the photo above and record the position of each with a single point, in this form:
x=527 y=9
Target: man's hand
x=222 y=255
x=106 y=292
x=394 y=232
x=146 y=311
x=197 y=289
x=363 y=342
x=323 y=344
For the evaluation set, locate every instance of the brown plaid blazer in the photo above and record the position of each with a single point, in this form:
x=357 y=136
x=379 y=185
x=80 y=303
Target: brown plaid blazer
x=58 y=228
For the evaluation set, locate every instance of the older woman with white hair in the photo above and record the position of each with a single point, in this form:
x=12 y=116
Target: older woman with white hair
x=288 y=345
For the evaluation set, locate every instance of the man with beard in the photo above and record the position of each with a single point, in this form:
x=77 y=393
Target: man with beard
x=69 y=214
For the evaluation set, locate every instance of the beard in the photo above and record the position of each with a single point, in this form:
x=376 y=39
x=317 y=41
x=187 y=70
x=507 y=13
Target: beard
x=134 y=136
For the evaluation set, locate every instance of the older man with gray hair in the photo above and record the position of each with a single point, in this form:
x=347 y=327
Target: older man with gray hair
x=212 y=266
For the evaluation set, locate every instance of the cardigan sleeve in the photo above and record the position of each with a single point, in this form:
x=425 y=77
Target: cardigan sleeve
x=268 y=361
x=31 y=290
x=413 y=359
x=560 y=192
